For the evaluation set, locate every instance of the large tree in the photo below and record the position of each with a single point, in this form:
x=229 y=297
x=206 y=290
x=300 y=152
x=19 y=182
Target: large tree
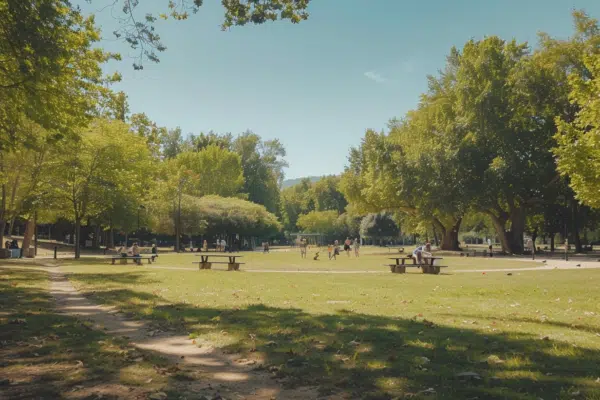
x=263 y=163
x=109 y=163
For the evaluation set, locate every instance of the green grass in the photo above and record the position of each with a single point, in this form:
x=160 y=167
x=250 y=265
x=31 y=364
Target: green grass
x=531 y=335
x=48 y=355
x=371 y=259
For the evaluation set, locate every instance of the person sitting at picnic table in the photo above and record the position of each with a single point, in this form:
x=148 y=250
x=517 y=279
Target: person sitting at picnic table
x=154 y=252
x=420 y=252
x=135 y=252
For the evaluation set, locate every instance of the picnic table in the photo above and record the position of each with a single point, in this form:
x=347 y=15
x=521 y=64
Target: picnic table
x=232 y=263
x=428 y=267
x=136 y=259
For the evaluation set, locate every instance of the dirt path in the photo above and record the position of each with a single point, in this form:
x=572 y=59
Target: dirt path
x=224 y=375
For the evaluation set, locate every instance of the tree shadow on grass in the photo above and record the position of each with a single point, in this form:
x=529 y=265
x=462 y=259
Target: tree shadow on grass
x=44 y=354
x=377 y=357
x=579 y=326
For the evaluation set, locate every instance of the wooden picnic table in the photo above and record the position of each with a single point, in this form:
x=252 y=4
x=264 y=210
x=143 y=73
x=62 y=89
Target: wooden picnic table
x=428 y=268
x=232 y=263
x=137 y=259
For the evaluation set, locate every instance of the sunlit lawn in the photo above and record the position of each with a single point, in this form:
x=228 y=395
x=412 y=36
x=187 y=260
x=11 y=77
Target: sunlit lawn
x=371 y=259
x=530 y=335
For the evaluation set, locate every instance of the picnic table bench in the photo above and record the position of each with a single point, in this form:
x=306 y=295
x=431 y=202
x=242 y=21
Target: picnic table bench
x=138 y=259
x=399 y=267
x=232 y=263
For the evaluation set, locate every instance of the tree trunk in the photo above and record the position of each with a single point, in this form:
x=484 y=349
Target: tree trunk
x=435 y=236
x=28 y=235
x=449 y=235
x=178 y=227
x=96 y=241
x=534 y=236
x=77 y=237
x=111 y=238
x=11 y=226
x=552 y=235
x=517 y=228
x=500 y=226
x=2 y=214
x=575 y=230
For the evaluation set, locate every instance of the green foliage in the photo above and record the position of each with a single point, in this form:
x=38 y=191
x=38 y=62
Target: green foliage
x=38 y=40
x=214 y=215
x=323 y=222
x=379 y=226
x=139 y=31
x=327 y=196
x=578 y=149
x=217 y=171
x=263 y=164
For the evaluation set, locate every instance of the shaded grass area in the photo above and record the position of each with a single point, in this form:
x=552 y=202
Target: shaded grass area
x=52 y=356
x=527 y=336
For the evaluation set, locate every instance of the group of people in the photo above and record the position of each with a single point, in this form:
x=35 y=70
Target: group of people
x=134 y=251
x=333 y=249
x=349 y=245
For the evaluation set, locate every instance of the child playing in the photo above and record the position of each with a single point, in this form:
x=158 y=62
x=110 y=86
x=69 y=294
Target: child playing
x=330 y=250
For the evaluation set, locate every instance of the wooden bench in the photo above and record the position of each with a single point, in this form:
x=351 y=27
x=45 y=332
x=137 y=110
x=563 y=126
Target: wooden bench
x=232 y=263
x=137 y=259
x=428 y=268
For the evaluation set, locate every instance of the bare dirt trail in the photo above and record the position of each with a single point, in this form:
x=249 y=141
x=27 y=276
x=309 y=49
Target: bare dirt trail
x=223 y=375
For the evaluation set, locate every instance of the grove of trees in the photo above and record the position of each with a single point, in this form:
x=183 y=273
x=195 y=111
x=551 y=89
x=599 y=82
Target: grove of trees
x=504 y=131
x=505 y=141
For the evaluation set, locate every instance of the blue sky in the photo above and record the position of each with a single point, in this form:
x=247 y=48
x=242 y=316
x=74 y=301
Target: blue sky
x=318 y=85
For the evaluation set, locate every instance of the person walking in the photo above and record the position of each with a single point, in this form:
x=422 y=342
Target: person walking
x=336 y=249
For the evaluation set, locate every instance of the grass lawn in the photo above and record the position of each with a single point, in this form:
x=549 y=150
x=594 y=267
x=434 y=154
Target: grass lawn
x=531 y=335
x=371 y=259
x=46 y=355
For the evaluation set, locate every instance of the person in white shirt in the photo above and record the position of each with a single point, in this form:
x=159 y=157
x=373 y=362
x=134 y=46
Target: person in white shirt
x=420 y=252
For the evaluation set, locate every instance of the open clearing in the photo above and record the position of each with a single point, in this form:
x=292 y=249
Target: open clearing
x=528 y=335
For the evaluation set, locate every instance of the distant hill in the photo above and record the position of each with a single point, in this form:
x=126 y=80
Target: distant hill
x=291 y=182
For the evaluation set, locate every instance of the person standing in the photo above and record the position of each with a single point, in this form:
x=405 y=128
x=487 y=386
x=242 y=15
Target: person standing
x=303 y=248
x=347 y=247
x=154 y=252
x=356 y=246
x=330 y=250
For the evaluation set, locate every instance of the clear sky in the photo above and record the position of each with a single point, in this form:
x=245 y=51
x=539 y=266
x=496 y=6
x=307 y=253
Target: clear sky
x=317 y=85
